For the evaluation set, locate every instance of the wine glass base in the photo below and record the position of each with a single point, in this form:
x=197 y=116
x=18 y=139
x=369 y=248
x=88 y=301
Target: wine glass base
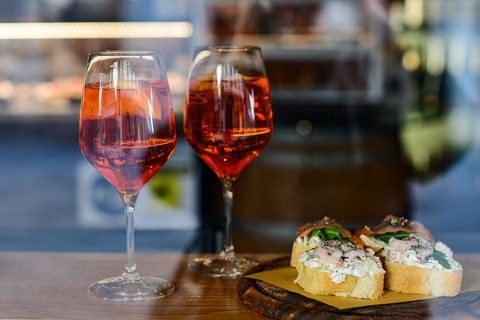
x=141 y=289
x=220 y=266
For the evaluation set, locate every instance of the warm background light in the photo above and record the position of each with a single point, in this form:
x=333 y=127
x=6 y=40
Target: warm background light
x=411 y=60
x=95 y=30
x=435 y=56
x=414 y=13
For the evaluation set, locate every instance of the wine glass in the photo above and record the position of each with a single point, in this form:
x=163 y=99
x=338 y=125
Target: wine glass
x=227 y=121
x=127 y=132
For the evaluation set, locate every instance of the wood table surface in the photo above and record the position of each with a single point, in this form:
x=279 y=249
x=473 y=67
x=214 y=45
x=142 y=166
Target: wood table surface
x=40 y=285
x=37 y=285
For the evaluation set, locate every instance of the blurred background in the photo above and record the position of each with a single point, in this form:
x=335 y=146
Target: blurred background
x=375 y=108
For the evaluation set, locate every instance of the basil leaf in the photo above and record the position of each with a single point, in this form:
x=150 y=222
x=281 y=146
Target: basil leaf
x=329 y=233
x=440 y=258
x=385 y=237
x=318 y=233
x=332 y=233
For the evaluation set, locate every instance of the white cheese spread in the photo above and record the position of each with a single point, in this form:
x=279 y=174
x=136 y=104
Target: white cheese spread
x=310 y=241
x=358 y=265
x=416 y=251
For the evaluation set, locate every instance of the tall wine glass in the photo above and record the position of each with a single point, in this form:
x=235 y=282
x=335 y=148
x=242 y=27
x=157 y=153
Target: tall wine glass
x=228 y=121
x=127 y=132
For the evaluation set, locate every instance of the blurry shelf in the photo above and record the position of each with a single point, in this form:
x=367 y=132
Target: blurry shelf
x=346 y=51
x=11 y=117
x=317 y=97
x=61 y=109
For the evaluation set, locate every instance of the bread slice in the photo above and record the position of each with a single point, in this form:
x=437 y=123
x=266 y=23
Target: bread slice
x=296 y=250
x=358 y=276
x=407 y=261
x=318 y=282
x=418 y=265
x=412 y=279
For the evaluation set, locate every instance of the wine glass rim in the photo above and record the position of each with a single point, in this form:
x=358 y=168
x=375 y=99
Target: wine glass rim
x=124 y=52
x=228 y=47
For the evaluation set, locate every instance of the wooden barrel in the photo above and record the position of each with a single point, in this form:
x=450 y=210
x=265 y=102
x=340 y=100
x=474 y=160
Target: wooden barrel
x=357 y=177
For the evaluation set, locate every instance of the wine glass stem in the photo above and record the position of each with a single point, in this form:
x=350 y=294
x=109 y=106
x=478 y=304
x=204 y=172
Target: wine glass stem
x=227 y=186
x=129 y=201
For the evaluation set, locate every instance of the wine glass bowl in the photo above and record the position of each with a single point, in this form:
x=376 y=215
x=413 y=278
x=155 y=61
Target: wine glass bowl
x=227 y=121
x=127 y=132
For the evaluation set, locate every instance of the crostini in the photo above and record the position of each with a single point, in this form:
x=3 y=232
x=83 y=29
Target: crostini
x=342 y=269
x=417 y=265
x=413 y=261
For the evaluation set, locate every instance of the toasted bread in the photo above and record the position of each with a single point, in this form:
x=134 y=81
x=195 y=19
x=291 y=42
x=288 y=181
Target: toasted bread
x=412 y=279
x=319 y=278
x=418 y=273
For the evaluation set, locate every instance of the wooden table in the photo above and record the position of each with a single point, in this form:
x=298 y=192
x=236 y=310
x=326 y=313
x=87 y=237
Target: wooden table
x=35 y=285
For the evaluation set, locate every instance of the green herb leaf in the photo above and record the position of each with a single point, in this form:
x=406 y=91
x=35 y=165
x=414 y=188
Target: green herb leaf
x=440 y=258
x=318 y=233
x=332 y=233
x=381 y=249
x=329 y=233
x=385 y=237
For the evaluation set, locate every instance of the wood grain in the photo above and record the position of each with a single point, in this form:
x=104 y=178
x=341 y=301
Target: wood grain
x=282 y=304
x=37 y=285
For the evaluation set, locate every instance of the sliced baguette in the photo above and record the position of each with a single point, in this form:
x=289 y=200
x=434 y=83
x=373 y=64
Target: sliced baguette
x=317 y=281
x=296 y=250
x=411 y=279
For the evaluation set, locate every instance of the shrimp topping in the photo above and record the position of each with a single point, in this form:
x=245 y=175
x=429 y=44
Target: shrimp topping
x=335 y=252
x=341 y=259
x=398 y=247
